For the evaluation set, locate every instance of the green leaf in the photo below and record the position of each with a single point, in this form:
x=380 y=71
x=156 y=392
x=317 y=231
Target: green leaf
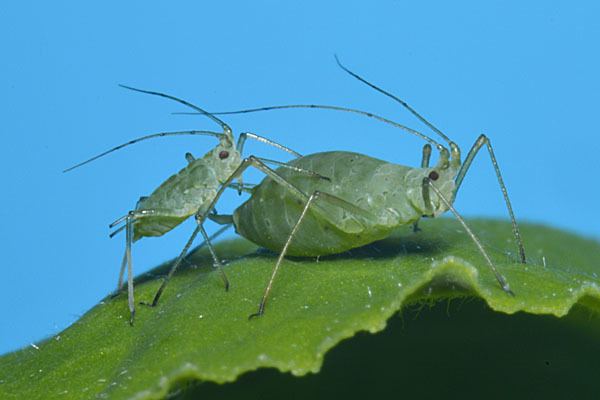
x=200 y=332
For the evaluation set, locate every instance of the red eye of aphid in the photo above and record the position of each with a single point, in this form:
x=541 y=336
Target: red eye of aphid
x=434 y=175
x=223 y=154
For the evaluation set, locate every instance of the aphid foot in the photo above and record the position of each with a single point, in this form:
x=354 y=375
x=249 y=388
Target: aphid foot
x=508 y=291
x=261 y=311
x=131 y=318
x=145 y=303
x=255 y=315
x=225 y=280
x=415 y=228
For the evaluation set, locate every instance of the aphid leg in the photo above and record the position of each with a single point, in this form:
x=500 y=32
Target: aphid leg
x=129 y=240
x=424 y=164
x=415 y=227
x=189 y=158
x=127 y=261
x=263 y=301
x=120 y=286
x=501 y=280
x=174 y=267
x=179 y=260
x=481 y=140
x=246 y=135
x=293 y=168
x=216 y=262
x=426 y=156
x=251 y=161
x=244 y=187
x=221 y=219
x=336 y=201
x=210 y=239
x=201 y=217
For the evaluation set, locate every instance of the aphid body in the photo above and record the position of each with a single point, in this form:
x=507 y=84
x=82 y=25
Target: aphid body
x=187 y=193
x=366 y=200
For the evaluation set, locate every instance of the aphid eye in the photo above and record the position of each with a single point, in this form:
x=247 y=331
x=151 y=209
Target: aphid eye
x=434 y=175
x=223 y=154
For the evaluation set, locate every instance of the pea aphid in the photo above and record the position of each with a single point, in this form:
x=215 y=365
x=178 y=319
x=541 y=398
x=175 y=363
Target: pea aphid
x=365 y=200
x=190 y=192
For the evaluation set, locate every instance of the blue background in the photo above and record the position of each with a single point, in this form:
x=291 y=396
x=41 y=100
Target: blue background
x=525 y=73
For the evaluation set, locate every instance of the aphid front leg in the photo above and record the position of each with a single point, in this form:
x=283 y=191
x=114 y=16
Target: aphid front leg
x=484 y=140
x=216 y=262
x=242 y=141
x=189 y=158
x=120 y=286
x=426 y=156
x=129 y=220
x=501 y=280
x=424 y=164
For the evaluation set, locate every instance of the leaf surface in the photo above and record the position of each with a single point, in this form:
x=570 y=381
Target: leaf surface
x=201 y=332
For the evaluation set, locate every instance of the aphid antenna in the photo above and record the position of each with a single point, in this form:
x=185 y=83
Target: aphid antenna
x=226 y=128
x=142 y=138
x=227 y=133
x=329 y=107
x=397 y=99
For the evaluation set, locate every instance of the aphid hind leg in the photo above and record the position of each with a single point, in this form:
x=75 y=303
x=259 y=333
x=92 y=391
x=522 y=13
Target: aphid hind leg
x=479 y=143
x=333 y=200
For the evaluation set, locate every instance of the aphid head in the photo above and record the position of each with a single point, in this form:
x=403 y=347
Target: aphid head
x=426 y=199
x=224 y=158
x=443 y=180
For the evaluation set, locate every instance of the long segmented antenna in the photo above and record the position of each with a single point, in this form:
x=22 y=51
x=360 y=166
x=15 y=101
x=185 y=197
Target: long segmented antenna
x=328 y=107
x=223 y=125
x=399 y=100
x=142 y=138
x=226 y=129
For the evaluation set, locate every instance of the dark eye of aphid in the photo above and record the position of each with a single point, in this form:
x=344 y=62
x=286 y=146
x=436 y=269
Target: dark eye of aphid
x=223 y=154
x=434 y=175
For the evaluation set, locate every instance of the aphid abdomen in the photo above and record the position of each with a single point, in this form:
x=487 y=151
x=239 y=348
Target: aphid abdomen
x=318 y=235
x=179 y=197
x=269 y=215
